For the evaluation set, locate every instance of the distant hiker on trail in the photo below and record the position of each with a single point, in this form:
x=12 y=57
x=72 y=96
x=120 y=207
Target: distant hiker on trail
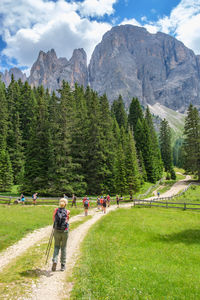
x=34 y=198
x=117 y=199
x=121 y=198
x=101 y=202
x=104 y=204
x=98 y=203
x=65 y=196
x=61 y=229
x=22 y=199
x=86 y=204
x=73 y=200
x=158 y=194
x=108 y=200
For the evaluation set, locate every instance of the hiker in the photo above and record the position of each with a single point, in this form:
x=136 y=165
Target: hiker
x=104 y=204
x=101 y=202
x=117 y=199
x=22 y=199
x=108 y=200
x=86 y=204
x=73 y=200
x=61 y=229
x=65 y=196
x=158 y=194
x=121 y=198
x=98 y=203
x=34 y=198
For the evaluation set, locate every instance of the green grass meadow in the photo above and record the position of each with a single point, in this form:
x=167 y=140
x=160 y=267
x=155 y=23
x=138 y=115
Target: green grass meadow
x=16 y=221
x=141 y=253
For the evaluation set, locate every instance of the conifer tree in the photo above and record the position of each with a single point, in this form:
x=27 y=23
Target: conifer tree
x=6 y=174
x=166 y=148
x=135 y=113
x=96 y=163
x=108 y=144
x=118 y=110
x=37 y=151
x=120 y=171
x=63 y=181
x=133 y=177
x=192 y=140
x=14 y=136
x=156 y=155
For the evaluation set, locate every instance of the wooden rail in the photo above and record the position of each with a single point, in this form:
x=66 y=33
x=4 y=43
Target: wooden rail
x=166 y=204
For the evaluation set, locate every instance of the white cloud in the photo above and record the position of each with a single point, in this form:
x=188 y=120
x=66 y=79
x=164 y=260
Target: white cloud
x=96 y=8
x=131 y=22
x=30 y=26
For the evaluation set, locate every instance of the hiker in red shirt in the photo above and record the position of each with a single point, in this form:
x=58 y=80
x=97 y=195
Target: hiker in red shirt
x=108 y=200
x=61 y=229
x=86 y=204
x=101 y=202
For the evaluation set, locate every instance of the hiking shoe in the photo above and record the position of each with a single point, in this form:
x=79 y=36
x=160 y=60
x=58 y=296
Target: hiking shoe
x=62 y=267
x=54 y=267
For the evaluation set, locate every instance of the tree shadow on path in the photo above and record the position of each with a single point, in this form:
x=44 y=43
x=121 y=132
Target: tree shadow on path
x=189 y=236
x=36 y=273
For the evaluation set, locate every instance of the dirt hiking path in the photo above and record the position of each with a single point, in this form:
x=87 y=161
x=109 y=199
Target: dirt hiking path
x=176 y=188
x=29 y=240
x=52 y=283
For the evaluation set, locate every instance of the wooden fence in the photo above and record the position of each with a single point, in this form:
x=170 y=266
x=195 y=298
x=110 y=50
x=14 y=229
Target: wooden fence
x=166 y=204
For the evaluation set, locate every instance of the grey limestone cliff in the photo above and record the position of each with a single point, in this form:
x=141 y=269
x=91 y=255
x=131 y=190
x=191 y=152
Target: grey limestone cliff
x=153 y=67
x=50 y=71
x=17 y=73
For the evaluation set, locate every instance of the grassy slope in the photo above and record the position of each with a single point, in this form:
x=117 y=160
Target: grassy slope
x=17 y=221
x=141 y=254
x=176 y=120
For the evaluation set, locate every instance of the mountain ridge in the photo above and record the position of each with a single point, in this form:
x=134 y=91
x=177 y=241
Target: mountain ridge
x=155 y=68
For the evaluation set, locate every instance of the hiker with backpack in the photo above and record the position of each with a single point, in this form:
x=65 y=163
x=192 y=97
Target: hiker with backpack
x=86 y=204
x=22 y=199
x=35 y=198
x=61 y=229
x=104 y=204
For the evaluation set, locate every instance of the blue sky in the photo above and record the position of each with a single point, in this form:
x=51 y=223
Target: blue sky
x=28 y=26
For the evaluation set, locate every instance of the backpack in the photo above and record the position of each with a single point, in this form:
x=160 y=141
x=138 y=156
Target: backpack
x=86 y=202
x=60 y=219
x=104 y=200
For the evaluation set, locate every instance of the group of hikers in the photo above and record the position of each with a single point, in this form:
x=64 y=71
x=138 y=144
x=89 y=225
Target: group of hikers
x=22 y=199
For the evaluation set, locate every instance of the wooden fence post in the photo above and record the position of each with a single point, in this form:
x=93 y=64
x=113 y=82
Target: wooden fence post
x=9 y=200
x=184 y=206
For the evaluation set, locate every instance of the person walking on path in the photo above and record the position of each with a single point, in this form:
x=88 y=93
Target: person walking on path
x=98 y=203
x=73 y=200
x=104 y=204
x=22 y=199
x=108 y=200
x=86 y=204
x=117 y=199
x=61 y=229
x=101 y=202
x=35 y=198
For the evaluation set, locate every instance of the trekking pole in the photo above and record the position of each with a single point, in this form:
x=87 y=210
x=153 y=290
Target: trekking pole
x=49 y=245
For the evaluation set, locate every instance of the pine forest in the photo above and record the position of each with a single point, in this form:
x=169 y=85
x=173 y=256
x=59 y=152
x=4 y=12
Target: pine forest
x=72 y=141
